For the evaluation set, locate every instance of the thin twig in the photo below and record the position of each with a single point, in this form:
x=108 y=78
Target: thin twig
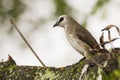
x=99 y=65
x=13 y=23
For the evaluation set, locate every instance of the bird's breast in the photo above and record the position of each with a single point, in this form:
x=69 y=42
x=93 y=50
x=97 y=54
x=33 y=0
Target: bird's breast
x=78 y=44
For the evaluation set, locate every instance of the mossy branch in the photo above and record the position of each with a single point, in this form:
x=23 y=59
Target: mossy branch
x=9 y=70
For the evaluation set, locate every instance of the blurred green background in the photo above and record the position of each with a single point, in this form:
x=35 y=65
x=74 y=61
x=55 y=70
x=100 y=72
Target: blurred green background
x=35 y=20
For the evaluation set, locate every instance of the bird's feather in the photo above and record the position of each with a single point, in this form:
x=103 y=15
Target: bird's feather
x=89 y=39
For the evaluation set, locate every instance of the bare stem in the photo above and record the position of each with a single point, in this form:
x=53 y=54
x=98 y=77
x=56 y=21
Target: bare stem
x=13 y=23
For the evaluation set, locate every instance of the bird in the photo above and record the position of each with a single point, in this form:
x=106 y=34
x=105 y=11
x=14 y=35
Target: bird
x=79 y=37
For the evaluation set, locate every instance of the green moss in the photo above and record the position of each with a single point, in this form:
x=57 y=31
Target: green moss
x=113 y=75
x=72 y=72
x=49 y=74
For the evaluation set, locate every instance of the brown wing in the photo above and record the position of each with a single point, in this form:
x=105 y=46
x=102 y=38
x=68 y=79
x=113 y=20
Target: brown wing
x=86 y=36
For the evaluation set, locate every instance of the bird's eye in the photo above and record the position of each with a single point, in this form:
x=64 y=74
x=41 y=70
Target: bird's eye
x=61 y=19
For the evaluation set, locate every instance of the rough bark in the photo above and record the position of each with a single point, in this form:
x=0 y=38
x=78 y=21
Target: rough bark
x=108 y=68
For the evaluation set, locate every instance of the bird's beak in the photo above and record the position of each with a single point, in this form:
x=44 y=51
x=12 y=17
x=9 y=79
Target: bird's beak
x=56 y=24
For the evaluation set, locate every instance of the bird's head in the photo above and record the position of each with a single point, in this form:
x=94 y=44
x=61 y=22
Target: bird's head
x=62 y=21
